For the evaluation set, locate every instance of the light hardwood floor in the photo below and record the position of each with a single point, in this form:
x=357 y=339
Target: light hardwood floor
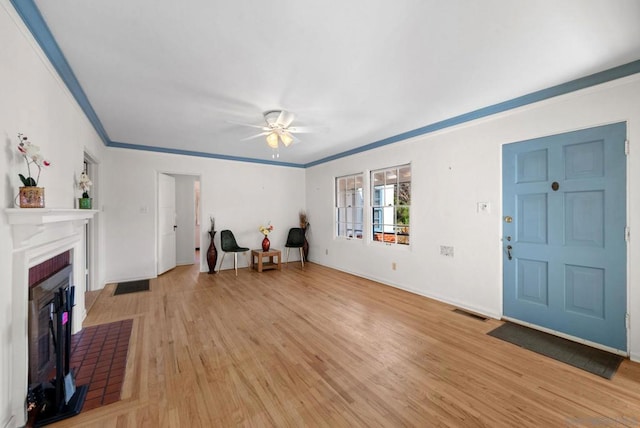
x=318 y=347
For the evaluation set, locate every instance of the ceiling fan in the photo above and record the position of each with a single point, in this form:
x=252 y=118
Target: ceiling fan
x=277 y=129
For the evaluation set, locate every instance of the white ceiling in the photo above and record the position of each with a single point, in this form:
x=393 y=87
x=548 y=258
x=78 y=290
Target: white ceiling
x=172 y=75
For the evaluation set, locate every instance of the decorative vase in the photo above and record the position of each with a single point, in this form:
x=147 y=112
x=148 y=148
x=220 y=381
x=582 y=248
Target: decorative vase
x=212 y=254
x=84 y=203
x=31 y=197
x=265 y=243
x=305 y=245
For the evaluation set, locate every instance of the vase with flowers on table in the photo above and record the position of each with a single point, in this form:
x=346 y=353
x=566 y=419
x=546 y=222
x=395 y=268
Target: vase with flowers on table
x=266 y=230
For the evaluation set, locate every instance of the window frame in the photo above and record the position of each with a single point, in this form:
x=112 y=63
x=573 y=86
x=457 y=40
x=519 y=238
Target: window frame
x=345 y=227
x=397 y=232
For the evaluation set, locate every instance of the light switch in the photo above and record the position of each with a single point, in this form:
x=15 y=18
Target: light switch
x=484 y=207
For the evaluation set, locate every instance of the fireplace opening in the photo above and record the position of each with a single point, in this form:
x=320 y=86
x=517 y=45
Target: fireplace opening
x=48 y=278
x=52 y=395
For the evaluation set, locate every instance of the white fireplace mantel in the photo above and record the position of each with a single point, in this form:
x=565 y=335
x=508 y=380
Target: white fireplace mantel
x=46 y=215
x=28 y=222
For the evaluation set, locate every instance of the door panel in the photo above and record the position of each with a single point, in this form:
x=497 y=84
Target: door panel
x=532 y=283
x=567 y=197
x=584 y=160
x=532 y=227
x=532 y=166
x=584 y=219
x=166 y=222
x=584 y=288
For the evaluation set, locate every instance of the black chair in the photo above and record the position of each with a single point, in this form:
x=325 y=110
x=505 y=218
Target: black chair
x=295 y=239
x=229 y=245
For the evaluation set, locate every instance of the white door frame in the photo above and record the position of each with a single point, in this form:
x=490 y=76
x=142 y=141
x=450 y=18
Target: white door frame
x=93 y=239
x=198 y=177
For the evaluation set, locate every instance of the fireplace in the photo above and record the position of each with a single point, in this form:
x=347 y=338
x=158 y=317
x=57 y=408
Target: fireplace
x=42 y=329
x=39 y=234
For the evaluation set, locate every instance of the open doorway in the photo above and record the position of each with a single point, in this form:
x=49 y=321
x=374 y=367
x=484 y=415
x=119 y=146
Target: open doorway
x=90 y=167
x=92 y=287
x=187 y=218
x=196 y=192
x=179 y=221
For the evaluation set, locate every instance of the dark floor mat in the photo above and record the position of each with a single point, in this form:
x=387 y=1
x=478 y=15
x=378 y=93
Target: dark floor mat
x=132 y=287
x=584 y=357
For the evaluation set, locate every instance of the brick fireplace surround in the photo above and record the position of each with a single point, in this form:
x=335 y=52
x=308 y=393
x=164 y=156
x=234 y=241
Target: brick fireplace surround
x=38 y=235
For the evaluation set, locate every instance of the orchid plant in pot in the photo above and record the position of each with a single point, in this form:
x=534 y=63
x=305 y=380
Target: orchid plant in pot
x=31 y=196
x=85 y=184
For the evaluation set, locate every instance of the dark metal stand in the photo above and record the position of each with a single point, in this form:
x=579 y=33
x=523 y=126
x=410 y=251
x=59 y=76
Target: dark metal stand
x=57 y=408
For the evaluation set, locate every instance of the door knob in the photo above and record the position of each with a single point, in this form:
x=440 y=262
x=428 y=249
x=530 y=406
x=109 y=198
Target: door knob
x=509 y=248
x=175 y=227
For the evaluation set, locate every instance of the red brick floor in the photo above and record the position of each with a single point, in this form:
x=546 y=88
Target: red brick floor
x=99 y=358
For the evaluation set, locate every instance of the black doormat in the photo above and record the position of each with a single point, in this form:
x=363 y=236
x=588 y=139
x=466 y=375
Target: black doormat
x=584 y=357
x=132 y=287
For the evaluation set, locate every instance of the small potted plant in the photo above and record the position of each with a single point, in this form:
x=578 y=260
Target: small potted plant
x=84 y=184
x=31 y=196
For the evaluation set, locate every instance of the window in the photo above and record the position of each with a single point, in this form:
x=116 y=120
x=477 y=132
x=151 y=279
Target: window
x=349 y=206
x=391 y=203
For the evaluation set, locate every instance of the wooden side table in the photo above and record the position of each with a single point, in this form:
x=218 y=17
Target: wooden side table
x=258 y=263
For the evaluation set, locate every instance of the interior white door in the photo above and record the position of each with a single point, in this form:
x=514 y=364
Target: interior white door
x=166 y=223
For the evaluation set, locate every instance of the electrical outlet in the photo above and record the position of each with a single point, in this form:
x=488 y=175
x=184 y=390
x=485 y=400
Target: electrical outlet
x=446 y=251
x=393 y=266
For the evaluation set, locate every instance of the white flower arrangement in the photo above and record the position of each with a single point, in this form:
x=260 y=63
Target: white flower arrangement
x=265 y=230
x=32 y=156
x=85 y=184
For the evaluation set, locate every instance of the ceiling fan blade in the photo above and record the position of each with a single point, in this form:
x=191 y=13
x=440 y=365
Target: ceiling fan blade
x=256 y=136
x=285 y=118
x=264 y=128
x=296 y=140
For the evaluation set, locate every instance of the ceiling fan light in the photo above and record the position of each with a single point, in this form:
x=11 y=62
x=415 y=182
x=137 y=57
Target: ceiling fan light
x=272 y=140
x=286 y=139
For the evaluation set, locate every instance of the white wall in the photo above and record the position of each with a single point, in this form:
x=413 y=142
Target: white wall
x=241 y=196
x=453 y=170
x=36 y=102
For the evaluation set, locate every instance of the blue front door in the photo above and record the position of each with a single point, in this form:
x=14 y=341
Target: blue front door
x=564 y=217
